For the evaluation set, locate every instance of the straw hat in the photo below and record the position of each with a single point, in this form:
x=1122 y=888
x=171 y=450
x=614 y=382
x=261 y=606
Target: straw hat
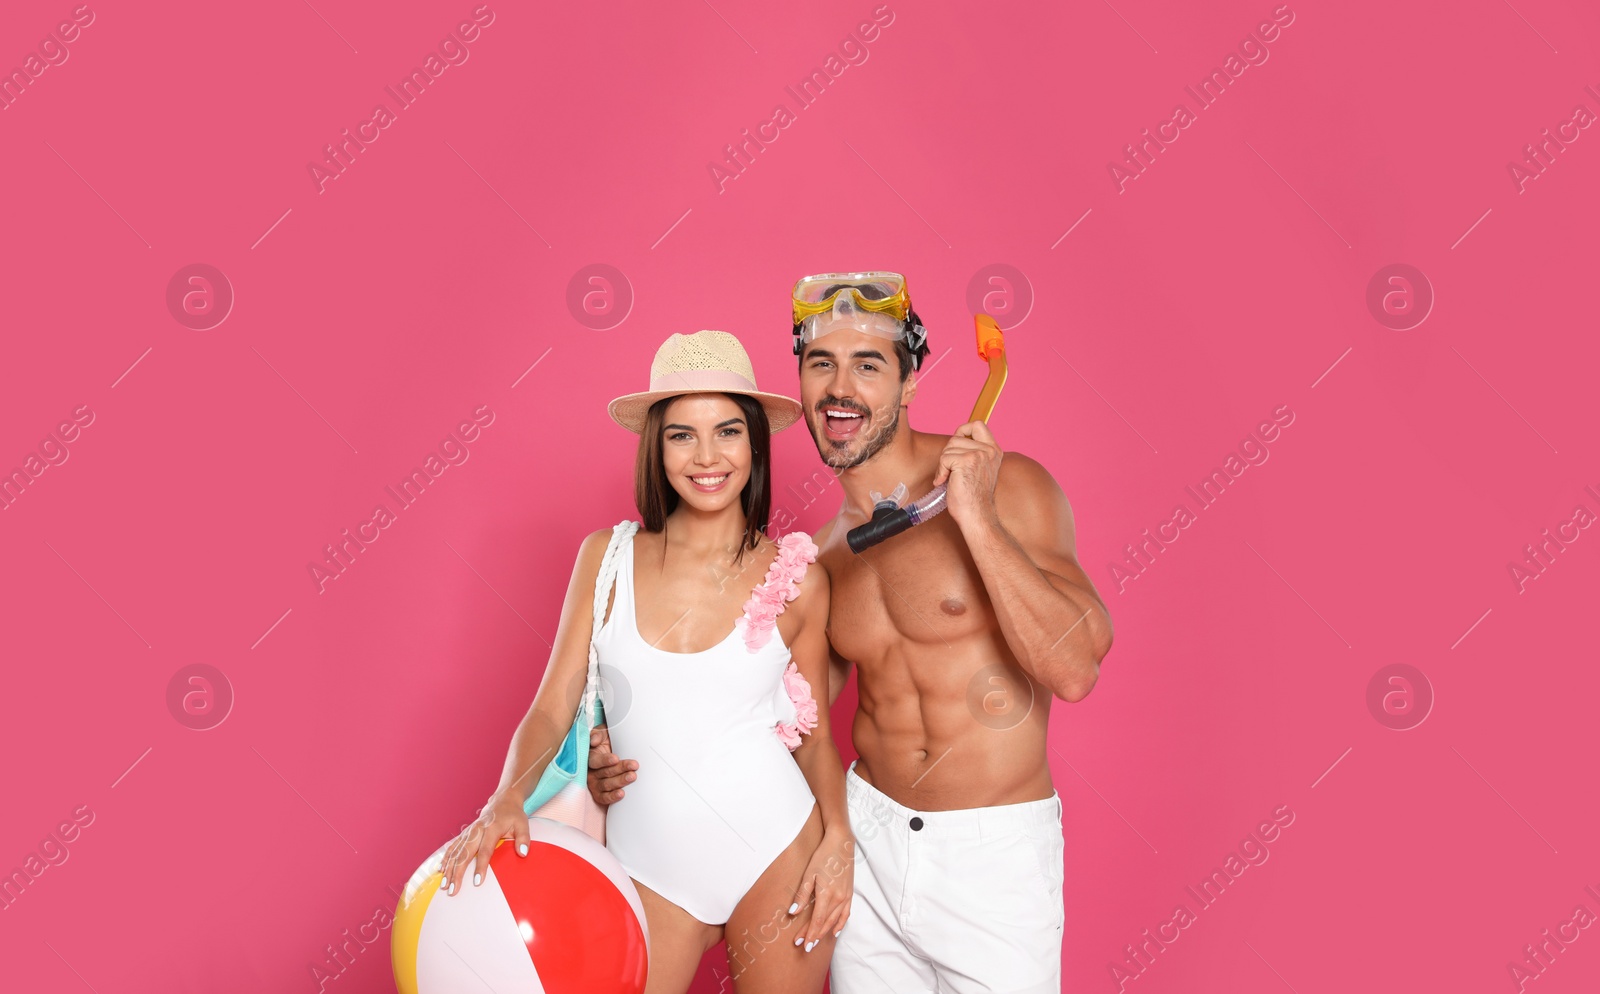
x=711 y=361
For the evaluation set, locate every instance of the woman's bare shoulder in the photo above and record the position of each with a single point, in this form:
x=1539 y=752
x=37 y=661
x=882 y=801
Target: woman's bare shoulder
x=591 y=551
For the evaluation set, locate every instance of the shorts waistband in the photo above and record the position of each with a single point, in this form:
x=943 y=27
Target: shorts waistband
x=960 y=823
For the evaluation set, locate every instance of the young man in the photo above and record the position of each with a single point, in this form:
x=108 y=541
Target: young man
x=962 y=630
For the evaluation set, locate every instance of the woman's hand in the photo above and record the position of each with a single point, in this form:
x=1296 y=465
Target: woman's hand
x=501 y=818
x=823 y=900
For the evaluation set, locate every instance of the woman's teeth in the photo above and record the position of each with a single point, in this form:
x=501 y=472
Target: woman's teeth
x=709 y=481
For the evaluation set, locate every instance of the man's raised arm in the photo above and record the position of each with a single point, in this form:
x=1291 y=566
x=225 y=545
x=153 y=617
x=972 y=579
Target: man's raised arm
x=1019 y=528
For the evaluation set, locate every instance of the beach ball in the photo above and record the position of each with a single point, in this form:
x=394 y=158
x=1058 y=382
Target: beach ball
x=564 y=919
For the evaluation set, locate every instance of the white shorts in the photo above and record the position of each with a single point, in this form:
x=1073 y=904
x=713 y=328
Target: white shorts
x=962 y=901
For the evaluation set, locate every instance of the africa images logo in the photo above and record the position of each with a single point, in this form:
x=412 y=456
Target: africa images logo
x=1253 y=51
x=453 y=51
x=852 y=51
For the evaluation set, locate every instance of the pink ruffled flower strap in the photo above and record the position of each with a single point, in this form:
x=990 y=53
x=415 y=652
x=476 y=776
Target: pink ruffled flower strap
x=782 y=584
x=805 y=708
x=795 y=552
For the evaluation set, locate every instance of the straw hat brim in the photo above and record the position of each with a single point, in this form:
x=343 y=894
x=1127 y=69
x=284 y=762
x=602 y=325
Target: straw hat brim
x=629 y=410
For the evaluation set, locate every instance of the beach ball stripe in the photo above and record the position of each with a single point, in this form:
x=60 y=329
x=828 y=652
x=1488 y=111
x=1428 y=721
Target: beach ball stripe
x=567 y=956
x=556 y=833
x=475 y=940
x=407 y=925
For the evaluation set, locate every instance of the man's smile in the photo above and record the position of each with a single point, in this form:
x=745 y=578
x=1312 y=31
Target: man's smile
x=841 y=423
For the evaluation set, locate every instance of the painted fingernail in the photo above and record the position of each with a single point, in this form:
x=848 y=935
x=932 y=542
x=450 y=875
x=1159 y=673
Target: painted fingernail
x=799 y=939
x=836 y=934
x=477 y=879
x=794 y=907
x=811 y=943
x=522 y=848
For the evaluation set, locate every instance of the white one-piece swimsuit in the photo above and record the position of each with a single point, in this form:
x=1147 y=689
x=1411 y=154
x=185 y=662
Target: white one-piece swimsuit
x=718 y=796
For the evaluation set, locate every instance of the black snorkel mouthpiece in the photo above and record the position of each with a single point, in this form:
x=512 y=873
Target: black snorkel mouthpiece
x=887 y=522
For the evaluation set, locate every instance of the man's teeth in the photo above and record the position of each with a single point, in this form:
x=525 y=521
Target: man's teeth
x=709 y=481
x=843 y=414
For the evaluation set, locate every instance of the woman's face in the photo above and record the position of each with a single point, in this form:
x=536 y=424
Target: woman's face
x=705 y=450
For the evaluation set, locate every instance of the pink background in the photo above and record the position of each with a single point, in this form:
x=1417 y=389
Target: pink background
x=369 y=720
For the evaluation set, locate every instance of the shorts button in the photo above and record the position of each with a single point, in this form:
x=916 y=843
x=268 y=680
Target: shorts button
x=916 y=824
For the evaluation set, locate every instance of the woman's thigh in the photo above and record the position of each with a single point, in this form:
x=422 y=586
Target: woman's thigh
x=762 y=956
x=678 y=940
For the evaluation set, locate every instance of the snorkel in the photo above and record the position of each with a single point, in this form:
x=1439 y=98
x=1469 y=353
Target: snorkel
x=888 y=517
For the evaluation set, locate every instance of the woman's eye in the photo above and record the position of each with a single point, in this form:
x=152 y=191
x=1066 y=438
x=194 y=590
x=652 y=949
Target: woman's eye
x=730 y=432
x=677 y=436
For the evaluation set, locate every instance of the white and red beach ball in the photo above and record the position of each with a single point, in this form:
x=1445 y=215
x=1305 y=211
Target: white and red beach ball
x=564 y=919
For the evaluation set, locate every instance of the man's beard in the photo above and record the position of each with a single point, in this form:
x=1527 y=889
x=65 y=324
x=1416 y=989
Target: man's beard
x=876 y=438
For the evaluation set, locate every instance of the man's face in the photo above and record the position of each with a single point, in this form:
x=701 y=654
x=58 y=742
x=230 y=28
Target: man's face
x=851 y=390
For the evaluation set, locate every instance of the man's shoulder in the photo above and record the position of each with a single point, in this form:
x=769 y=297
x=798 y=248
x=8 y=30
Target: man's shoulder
x=1023 y=470
x=1025 y=489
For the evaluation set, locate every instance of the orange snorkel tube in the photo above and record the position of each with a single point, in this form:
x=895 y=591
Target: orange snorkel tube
x=991 y=349
x=889 y=520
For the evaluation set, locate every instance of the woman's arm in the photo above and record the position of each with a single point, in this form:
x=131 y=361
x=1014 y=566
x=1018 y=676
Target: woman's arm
x=545 y=726
x=822 y=901
x=817 y=755
x=542 y=729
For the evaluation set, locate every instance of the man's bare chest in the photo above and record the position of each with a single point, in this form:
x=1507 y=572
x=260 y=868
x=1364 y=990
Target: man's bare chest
x=920 y=586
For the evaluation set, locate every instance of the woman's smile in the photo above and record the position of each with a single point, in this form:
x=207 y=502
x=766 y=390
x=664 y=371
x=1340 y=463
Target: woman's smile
x=709 y=483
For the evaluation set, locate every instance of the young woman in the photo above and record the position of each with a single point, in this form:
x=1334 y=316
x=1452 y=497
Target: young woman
x=714 y=635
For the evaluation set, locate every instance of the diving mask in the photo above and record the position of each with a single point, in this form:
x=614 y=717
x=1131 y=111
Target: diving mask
x=830 y=301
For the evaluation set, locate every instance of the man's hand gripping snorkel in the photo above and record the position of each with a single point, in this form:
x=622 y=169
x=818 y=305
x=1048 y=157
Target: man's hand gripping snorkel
x=968 y=467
